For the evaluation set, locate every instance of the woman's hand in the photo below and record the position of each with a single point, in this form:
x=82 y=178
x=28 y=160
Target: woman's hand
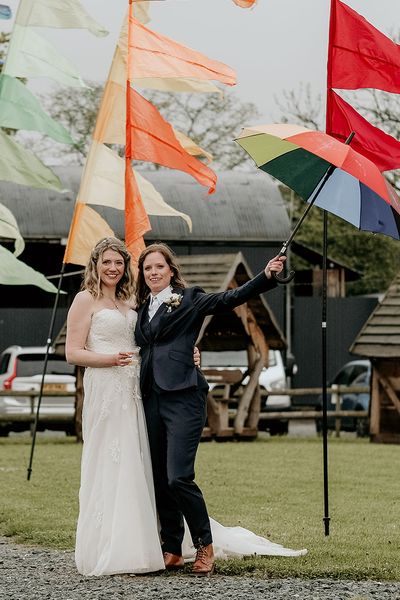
x=123 y=358
x=275 y=265
x=196 y=357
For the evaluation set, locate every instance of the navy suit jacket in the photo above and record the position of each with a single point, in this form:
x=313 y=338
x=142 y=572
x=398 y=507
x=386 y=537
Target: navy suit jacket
x=167 y=343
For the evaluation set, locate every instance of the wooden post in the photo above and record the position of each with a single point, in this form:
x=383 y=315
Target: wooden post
x=375 y=405
x=337 y=401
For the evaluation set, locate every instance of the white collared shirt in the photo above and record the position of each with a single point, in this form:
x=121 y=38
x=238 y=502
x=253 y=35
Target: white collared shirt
x=160 y=297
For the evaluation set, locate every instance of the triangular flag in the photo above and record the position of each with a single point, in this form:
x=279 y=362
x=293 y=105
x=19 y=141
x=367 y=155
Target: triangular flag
x=359 y=55
x=30 y=55
x=9 y=229
x=102 y=184
x=87 y=228
x=155 y=55
x=165 y=84
x=16 y=272
x=153 y=140
x=20 y=109
x=245 y=3
x=68 y=14
x=137 y=222
x=375 y=144
x=191 y=147
x=22 y=166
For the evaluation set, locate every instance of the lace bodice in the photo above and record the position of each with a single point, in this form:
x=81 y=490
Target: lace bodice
x=111 y=331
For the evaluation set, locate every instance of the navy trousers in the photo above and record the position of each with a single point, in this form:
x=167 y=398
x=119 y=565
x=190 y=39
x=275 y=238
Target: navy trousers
x=175 y=421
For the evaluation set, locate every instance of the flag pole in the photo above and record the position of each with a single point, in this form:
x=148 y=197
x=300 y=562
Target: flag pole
x=46 y=358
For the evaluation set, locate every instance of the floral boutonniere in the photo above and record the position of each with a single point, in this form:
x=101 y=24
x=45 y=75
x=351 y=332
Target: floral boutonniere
x=173 y=301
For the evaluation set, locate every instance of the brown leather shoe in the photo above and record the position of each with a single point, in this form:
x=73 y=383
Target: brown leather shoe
x=173 y=561
x=204 y=563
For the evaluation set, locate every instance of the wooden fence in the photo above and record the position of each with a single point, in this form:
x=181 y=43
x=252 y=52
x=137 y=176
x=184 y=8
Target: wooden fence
x=222 y=409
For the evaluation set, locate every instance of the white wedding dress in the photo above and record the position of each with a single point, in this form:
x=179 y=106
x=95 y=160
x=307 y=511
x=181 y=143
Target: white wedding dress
x=117 y=528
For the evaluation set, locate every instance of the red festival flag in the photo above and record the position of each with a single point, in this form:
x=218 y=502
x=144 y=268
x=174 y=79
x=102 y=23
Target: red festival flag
x=151 y=138
x=359 y=55
x=373 y=143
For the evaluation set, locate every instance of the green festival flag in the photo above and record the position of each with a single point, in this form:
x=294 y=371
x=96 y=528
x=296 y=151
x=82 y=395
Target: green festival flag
x=15 y=272
x=68 y=14
x=20 y=109
x=22 y=166
x=31 y=55
x=9 y=229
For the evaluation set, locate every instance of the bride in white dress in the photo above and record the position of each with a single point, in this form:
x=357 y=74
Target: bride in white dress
x=117 y=528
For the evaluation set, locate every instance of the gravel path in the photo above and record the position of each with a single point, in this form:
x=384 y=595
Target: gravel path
x=31 y=573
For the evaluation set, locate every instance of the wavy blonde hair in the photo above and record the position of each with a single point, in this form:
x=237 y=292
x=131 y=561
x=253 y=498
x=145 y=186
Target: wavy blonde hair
x=91 y=280
x=142 y=289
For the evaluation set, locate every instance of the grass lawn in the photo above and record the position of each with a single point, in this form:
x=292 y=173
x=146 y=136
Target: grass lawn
x=273 y=486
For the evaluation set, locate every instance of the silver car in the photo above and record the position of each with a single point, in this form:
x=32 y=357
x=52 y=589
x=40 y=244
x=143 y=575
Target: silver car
x=21 y=370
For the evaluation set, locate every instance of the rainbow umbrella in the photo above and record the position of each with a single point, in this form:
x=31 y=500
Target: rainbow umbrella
x=327 y=172
x=332 y=175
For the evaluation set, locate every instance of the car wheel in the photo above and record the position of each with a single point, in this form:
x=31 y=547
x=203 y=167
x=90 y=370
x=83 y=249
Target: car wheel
x=362 y=427
x=279 y=428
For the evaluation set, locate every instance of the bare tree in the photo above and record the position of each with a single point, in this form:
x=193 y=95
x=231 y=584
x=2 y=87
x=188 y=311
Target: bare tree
x=211 y=120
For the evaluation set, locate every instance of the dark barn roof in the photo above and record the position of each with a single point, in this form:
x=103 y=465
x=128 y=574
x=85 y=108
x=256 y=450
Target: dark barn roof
x=380 y=336
x=246 y=206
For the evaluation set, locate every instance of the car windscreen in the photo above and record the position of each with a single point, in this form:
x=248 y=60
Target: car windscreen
x=32 y=364
x=4 y=360
x=230 y=358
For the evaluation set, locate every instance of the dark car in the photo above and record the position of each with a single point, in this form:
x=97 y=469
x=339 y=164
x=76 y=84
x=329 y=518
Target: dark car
x=356 y=373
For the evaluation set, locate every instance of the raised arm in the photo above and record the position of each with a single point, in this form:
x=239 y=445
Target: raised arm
x=208 y=304
x=78 y=325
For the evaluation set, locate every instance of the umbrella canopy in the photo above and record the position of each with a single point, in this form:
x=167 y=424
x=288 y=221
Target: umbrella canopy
x=300 y=157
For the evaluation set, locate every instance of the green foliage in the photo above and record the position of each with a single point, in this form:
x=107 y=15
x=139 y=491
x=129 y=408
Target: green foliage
x=211 y=120
x=4 y=41
x=376 y=257
x=272 y=486
x=77 y=110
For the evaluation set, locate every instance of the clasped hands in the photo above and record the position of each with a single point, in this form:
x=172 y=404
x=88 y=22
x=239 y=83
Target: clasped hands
x=125 y=358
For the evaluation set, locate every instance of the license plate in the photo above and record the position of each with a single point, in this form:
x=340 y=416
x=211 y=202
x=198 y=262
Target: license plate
x=55 y=387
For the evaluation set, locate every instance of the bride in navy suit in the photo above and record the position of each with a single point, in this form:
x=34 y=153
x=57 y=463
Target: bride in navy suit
x=174 y=391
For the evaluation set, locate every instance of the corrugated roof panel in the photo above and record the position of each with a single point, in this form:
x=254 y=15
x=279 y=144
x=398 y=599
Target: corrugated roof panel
x=246 y=206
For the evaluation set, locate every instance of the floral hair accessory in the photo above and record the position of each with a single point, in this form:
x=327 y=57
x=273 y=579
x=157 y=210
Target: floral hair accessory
x=173 y=301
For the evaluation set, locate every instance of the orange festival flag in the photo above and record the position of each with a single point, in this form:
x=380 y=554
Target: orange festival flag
x=245 y=3
x=136 y=219
x=156 y=55
x=152 y=139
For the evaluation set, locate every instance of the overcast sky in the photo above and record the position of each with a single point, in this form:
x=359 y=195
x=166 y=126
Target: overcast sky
x=273 y=47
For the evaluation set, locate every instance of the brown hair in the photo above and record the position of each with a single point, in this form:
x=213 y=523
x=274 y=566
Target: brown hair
x=142 y=289
x=91 y=282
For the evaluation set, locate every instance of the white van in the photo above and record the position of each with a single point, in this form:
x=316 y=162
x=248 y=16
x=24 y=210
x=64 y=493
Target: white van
x=271 y=378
